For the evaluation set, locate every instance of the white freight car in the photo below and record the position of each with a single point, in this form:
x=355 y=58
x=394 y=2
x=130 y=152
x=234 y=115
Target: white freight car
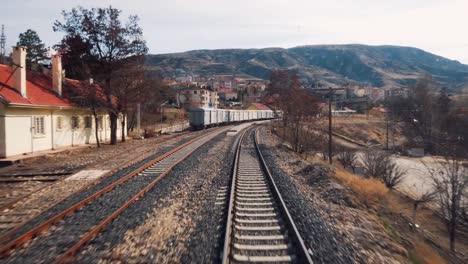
x=200 y=118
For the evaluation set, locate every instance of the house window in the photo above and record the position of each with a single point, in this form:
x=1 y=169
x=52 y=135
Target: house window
x=75 y=122
x=59 y=123
x=194 y=92
x=88 y=123
x=39 y=127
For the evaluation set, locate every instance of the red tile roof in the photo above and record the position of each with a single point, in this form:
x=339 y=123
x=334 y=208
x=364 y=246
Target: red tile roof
x=38 y=90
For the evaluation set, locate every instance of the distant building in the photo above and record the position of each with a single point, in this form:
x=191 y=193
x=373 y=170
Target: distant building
x=228 y=96
x=197 y=97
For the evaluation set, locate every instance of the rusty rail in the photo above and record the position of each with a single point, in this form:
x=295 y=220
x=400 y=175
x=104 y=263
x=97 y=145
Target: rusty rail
x=47 y=224
x=69 y=255
x=13 y=231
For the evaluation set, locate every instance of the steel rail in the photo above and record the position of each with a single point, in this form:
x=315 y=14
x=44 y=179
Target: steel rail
x=69 y=254
x=227 y=235
x=296 y=236
x=30 y=234
x=10 y=233
x=299 y=247
x=15 y=201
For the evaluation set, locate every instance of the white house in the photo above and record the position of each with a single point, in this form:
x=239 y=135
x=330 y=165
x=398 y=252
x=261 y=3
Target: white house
x=35 y=115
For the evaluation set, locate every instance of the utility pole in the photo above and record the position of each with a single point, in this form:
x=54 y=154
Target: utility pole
x=386 y=134
x=138 y=121
x=387 y=118
x=330 y=140
x=162 y=114
x=2 y=46
x=367 y=107
x=331 y=92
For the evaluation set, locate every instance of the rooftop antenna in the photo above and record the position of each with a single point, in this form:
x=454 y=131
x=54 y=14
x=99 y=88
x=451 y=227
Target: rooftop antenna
x=2 y=45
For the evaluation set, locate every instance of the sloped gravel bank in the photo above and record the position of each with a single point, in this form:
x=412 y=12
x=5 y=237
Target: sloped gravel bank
x=333 y=229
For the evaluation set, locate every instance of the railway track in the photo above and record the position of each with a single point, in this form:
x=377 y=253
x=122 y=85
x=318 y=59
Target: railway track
x=23 y=201
x=259 y=227
x=71 y=229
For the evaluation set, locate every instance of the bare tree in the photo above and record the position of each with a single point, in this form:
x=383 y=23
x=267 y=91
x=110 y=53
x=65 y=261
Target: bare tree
x=421 y=198
x=348 y=159
x=378 y=164
x=393 y=175
x=450 y=180
x=297 y=105
x=90 y=95
x=104 y=43
x=127 y=87
x=374 y=163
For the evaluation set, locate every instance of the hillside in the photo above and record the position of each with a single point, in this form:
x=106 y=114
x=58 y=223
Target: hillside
x=328 y=64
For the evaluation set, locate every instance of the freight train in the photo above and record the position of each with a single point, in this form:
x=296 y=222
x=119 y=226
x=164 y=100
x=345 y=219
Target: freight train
x=200 y=118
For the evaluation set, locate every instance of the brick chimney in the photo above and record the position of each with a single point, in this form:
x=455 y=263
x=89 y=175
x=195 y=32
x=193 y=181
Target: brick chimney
x=19 y=76
x=57 y=74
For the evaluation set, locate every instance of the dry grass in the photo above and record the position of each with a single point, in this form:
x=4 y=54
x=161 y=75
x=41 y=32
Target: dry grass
x=369 y=191
x=424 y=254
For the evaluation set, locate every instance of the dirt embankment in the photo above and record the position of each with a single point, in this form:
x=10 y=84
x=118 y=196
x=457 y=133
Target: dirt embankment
x=369 y=131
x=372 y=222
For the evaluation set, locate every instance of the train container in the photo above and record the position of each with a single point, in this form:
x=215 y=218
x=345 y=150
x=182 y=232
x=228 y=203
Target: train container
x=200 y=118
x=213 y=117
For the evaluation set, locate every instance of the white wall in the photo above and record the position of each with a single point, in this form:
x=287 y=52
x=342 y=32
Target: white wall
x=17 y=137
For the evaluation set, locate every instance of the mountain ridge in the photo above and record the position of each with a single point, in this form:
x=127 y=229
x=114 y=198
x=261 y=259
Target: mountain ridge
x=328 y=65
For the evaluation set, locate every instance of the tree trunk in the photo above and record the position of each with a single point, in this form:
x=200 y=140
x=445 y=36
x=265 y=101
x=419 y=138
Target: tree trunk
x=132 y=122
x=123 y=127
x=96 y=128
x=452 y=236
x=296 y=138
x=113 y=127
x=415 y=207
x=112 y=114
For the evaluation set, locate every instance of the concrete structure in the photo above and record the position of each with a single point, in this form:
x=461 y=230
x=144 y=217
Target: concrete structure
x=196 y=97
x=35 y=114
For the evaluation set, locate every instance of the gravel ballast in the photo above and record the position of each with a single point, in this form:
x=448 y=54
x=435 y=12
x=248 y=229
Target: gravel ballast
x=330 y=224
x=104 y=182
x=318 y=236
x=178 y=221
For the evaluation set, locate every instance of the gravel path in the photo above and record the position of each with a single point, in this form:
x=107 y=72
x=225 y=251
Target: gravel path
x=64 y=186
x=178 y=221
x=334 y=230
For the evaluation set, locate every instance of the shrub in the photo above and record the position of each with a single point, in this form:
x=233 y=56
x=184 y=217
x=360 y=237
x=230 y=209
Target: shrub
x=393 y=176
x=368 y=191
x=380 y=165
x=149 y=133
x=375 y=163
x=348 y=159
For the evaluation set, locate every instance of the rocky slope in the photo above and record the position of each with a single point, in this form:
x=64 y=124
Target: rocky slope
x=325 y=64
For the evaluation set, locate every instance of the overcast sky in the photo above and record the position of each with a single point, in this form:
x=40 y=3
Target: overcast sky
x=437 y=26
